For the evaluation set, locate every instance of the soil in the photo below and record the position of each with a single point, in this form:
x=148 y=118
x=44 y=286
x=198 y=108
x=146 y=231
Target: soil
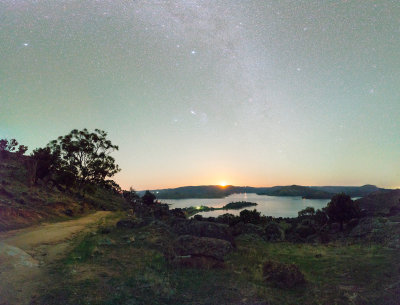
x=25 y=253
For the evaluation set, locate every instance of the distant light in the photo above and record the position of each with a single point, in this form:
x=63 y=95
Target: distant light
x=26 y=44
x=198 y=208
x=194 y=52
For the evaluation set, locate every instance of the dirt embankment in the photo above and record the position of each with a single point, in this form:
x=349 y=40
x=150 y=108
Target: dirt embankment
x=24 y=254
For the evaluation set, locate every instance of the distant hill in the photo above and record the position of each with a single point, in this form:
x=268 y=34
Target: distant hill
x=202 y=191
x=380 y=203
x=298 y=190
x=353 y=191
x=308 y=192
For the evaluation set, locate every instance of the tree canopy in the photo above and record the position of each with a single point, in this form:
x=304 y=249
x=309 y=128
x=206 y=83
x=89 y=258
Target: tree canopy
x=86 y=154
x=341 y=208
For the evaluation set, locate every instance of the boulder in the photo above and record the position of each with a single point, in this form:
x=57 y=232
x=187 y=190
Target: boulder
x=366 y=226
x=202 y=229
x=282 y=275
x=247 y=228
x=130 y=223
x=193 y=246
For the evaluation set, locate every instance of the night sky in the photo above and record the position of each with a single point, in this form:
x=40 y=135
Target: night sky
x=197 y=92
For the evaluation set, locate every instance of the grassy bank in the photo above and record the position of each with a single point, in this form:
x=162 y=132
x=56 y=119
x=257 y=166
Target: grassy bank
x=128 y=266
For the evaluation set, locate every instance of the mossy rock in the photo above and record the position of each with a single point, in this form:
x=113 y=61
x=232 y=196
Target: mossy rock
x=282 y=275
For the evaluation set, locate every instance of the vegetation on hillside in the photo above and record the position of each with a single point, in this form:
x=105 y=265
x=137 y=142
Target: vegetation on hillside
x=67 y=177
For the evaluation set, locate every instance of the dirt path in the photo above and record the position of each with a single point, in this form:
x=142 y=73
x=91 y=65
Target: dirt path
x=24 y=253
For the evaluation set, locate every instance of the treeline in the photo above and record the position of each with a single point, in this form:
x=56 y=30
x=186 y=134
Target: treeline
x=80 y=160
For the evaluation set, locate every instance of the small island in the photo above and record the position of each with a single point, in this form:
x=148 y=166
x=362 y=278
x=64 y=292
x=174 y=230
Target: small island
x=190 y=211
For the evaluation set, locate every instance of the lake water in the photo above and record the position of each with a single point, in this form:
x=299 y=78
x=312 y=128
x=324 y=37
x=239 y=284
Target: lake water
x=267 y=205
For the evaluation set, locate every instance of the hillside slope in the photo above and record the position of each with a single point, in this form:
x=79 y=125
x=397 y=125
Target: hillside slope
x=23 y=203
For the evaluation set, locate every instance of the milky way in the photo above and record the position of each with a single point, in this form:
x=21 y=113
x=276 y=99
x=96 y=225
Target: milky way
x=194 y=92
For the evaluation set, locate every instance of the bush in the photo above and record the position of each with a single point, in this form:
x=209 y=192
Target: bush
x=250 y=216
x=282 y=275
x=148 y=198
x=273 y=232
x=342 y=209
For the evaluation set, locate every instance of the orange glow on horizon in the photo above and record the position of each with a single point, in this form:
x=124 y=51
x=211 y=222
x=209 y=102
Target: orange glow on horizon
x=223 y=183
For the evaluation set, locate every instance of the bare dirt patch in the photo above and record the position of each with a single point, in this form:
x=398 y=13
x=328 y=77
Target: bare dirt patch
x=25 y=253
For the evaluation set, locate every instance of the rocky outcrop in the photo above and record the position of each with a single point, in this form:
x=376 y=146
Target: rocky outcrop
x=202 y=229
x=193 y=246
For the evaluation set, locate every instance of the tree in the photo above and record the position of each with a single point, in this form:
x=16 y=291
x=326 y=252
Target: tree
x=250 y=216
x=86 y=154
x=8 y=146
x=131 y=195
x=307 y=212
x=341 y=208
x=320 y=217
x=148 y=198
x=48 y=162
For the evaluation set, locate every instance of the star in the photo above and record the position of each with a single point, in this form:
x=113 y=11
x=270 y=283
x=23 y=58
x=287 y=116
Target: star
x=193 y=52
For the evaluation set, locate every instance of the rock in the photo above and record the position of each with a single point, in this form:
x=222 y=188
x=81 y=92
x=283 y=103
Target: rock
x=202 y=247
x=106 y=242
x=282 y=275
x=247 y=228
x=366 y=226
x=202 y=229
x=129 y=239
x=131 y=223
x=199 y=262
x=69 y=212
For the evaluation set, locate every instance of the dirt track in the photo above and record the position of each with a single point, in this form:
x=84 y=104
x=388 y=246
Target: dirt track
x=25 y=252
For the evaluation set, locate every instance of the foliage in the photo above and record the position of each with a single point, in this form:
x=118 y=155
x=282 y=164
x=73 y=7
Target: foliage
x=131 y=195
x=238 y=205
x=86 y=154
x=320 y=217
x=11 y=146
x=341 y=209
x=248 y=216
x=148 y=198
x=307 y=212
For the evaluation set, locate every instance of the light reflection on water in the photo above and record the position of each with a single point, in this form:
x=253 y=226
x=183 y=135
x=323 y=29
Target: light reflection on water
x=267 y=205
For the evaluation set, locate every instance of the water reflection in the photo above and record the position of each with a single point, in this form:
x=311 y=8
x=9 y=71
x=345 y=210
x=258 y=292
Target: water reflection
x=267 y=205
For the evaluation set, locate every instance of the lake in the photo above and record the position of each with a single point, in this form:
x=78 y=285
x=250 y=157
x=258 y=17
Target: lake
x=267 y=205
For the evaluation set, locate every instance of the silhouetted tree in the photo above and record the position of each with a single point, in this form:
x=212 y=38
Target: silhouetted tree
x=148 y=198
x=320 y=217
x=250 y=216
x=131 y=195
x=87 y=155
x=341 y=208
x=8 y=146
x=48 y=162
x=307 y=212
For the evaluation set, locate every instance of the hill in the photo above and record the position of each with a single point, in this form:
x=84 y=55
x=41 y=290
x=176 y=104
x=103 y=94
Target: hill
x=298 y=190
x=308 y=192
x=380 y=203
x=23 y=203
